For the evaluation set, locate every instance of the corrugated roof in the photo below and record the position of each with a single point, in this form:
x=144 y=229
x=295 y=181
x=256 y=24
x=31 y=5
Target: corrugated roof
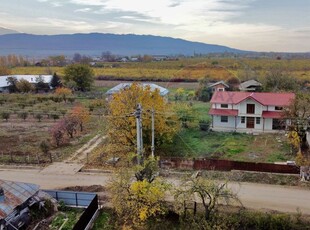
x=272 y=114
x=163 y=91
x=217 y=83
x=245 y=85
x=276 y=99
x=223 y=112
x=15 y=194
x=30 y=78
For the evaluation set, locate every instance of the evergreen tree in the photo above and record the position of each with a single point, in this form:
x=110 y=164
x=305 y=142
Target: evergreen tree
x=55 y=81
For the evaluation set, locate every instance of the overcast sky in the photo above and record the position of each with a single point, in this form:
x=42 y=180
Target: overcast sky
x=259 y=25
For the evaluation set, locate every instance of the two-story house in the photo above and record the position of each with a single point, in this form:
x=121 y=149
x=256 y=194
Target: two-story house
x=249 y=111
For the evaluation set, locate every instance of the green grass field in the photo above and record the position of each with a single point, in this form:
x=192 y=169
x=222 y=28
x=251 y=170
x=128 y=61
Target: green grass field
x=233 y=146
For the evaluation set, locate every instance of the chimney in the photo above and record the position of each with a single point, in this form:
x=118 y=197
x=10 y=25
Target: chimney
x=1 y=194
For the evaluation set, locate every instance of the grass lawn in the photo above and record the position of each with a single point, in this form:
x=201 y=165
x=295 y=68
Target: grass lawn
x=233 y=146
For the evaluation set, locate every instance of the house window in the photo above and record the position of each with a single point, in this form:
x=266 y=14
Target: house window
x=224 y=106
x=278 y=108
x=250 y=108
x=258 y=120
x=221 y=89
x=242 y=120
x=224 y=119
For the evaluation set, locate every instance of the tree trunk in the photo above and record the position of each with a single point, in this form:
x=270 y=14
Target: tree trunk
x=51 y=157
x=207 y=214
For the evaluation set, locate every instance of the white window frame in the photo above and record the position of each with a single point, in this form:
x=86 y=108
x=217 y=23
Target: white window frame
x=224 y=119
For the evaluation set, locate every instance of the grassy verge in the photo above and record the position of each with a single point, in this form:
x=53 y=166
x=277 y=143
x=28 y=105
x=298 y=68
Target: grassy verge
x=233 y=146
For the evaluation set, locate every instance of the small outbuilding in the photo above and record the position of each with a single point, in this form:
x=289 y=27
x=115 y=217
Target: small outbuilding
x=15 y=200
x=218 y=86
x=162 y=91
x=250 y=86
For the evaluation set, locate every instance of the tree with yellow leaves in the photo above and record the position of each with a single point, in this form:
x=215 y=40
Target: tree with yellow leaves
x=122 y=122
x=135 y=201
x=63 y=92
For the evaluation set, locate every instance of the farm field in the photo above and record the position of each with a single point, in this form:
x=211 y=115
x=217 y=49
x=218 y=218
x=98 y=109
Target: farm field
x=107 y=84
x=189 y=69
x=20 y=137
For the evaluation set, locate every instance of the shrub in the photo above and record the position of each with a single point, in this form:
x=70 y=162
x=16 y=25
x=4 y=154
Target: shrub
x=5 y=115
x=204 y=125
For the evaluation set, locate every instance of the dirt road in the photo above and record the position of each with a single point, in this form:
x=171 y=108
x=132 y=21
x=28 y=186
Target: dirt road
x=256 y=196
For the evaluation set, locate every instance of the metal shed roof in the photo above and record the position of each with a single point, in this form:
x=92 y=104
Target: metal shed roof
x=163 y=91
x=15 y=194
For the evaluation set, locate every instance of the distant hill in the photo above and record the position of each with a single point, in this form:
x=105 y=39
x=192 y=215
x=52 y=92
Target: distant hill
x=7 y=31
x=96 y=43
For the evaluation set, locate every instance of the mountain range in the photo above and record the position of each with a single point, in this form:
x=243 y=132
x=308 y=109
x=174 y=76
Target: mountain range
x=95 y=43
x=7 y=31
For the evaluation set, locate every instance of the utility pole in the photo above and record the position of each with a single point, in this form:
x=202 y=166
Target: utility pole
x=153 y=133
x=138 y=115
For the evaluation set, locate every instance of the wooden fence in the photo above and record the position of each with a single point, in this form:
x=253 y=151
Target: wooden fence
x=225 y=165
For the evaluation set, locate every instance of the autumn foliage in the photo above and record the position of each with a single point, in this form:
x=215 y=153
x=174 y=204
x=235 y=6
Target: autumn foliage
x=81 y=115
x=68 y=126
x=136 y=201
x=63 y=92
x=122 y=122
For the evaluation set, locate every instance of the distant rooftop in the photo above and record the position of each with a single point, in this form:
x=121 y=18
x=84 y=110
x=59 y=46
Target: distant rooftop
x=244 y=86
x=15 y=194
x=217 y=83
x=163 y=91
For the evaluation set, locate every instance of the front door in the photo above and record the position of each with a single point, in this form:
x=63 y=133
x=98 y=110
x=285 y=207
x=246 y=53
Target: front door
x=250 y=122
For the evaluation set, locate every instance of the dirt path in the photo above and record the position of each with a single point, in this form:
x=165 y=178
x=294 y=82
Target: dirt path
x=76 y=162
x=81 y=154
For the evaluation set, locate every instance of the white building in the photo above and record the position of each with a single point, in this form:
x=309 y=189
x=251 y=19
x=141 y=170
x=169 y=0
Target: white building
x=30 y=78
x=249 y=111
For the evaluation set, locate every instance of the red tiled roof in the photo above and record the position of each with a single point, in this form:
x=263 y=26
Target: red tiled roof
x=223 y=112
x=227 y=97
x=272 y=114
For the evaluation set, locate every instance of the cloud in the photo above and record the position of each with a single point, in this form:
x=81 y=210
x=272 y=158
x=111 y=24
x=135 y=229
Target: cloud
x=236 y=23
x=57 y=4
x=69 y=25
x=83 y=10
x=88 y=2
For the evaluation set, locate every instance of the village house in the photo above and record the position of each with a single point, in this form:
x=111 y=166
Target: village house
x=249 y=111
x=218 y=86
x=250 y=86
